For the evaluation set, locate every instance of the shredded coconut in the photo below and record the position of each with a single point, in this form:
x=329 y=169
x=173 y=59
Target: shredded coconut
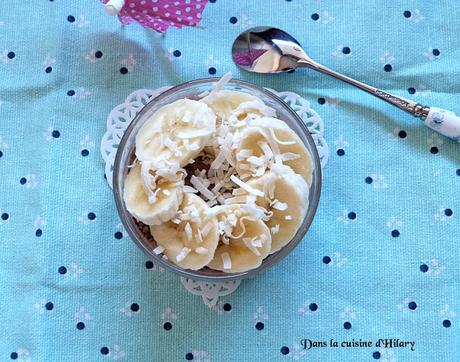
x=183 y=254
x=201 y=250
x=158 y=250
x=226 y=260
x=245 y=186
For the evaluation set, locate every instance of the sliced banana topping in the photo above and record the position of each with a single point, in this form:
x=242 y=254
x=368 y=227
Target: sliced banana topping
x=183 y=239
x=244 y=240
x=268 y=141
x=149 y=203
x=176 y=132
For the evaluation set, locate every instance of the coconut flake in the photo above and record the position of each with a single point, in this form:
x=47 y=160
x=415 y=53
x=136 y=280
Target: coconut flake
x=219 y=85
x=290 y=156
x=198 y=185
x=183 y=254
x=236 y=200
x=248 y=242
x=158 y=250
x=281 y=206
x=200 y=250
x=245 y=186
x=188 y=232
x=219 y=160
x=195 y=133
x=258 y=161
x=166 y=192
x=272 y=133
x=288 y=217
x=227 y=261
x=245 y=153
x=275 y=229
x=190 y=189
x=206 y=229
x=165 y=257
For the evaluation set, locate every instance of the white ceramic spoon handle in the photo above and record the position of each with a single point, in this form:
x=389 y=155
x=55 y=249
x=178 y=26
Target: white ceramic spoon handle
x=444 y=122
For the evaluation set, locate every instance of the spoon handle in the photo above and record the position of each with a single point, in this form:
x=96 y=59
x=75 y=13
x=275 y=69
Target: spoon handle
x=445 y=122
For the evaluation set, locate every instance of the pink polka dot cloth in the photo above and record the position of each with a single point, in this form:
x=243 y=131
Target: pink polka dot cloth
x=161 y=14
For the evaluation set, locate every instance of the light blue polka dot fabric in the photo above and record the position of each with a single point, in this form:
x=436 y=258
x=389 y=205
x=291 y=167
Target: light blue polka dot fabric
x=381 y=260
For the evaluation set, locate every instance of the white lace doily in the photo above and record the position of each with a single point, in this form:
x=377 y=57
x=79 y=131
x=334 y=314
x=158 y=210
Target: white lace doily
x=121 y=116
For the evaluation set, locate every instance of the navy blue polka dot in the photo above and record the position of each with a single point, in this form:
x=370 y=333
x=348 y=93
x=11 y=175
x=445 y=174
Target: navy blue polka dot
x=38 y=233
x=340 y=152
x=376 y=355
x=448 y=212
x=80 y=326
x=104 y=350
x=313 y=307
x=135 y=307
x=23 y=181
x=446 y=323
x=1 y=155
x=424 y=268
x=123 y=70
x=457 y=172
x=227 y=307
x=284 y=350
x=395 y=233
x=434 y=150
x=347 y=325
x=326 y=260
x=167 y=326
x=436 y=52
x=233 y=20
x=56 y=134
x=148 y=264
x=177 y=53
x=411 y=90
x=84 y=152
x=321 y=101
x=49 y=306
x=387 y=68
x=5 y=216
x=402 y=134
x=212 y=70
x=369 y=180
x=14 y=355
x=407 y=14
x=62 y=270
x=91 y=216
x=259 y=326
x=71 y=18
x=346 y=50
x=98 y=54
x=412 y=305
x=352 y=215
x=118 y=235
x=189 y=356
x=48 y=69
x=11 y=55
x=315 y=16
x=71 y=93
x=212 y=1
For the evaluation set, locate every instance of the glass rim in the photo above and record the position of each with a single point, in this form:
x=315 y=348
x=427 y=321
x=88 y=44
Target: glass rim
x=270 y=260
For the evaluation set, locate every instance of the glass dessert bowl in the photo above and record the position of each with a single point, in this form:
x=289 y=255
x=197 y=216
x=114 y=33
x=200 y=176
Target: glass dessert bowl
x=141 y=234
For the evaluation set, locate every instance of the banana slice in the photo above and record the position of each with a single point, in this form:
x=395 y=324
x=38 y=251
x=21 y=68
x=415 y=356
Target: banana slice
x=267 y=141
x=245 y=241
x=152 y=206
x=236 y=106
x=176 y=132
x=190 y=239
x=286 y=200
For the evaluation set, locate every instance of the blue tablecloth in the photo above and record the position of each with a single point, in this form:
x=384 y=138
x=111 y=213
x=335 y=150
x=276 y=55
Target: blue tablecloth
x=381 y=260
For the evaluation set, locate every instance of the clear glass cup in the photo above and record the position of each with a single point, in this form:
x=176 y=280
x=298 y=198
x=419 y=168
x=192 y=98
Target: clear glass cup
x=191 y=90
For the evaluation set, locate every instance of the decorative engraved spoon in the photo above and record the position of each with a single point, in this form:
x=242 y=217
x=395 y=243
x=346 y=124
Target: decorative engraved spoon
x=271 y=50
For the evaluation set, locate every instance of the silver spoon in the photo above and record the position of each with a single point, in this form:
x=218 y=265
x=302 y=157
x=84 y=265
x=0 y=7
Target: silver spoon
x=271 y=50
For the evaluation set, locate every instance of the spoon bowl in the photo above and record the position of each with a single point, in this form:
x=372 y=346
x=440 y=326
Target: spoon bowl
x=268 y=50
